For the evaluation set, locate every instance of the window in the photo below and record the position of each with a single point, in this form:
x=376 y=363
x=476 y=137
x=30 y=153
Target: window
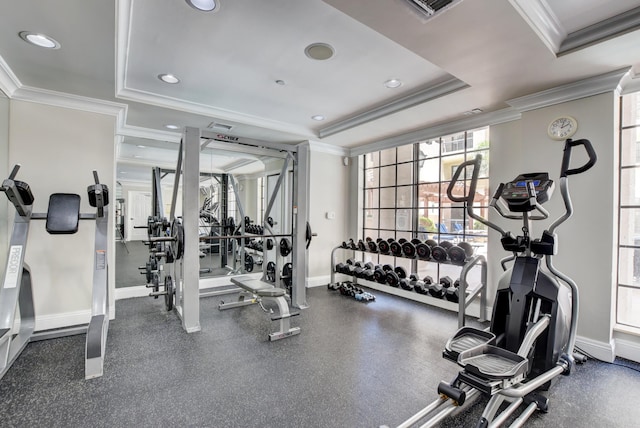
x=405 y=195
x=628 y=296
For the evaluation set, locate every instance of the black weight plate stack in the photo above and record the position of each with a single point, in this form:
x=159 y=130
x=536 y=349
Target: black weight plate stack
x=384 y=247
x=393 y=279
x=396 y=248
x=409 y=250
x=423 y=251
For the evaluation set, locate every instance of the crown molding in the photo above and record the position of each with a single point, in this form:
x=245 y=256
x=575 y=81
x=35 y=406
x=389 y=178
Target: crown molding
x=570 y=92
x=318 y=147
x=71 y=101
x=472 y=122
x=601 y=31
x=411 y=100
x=149 y=134
x=9 y=82
x=543 y=21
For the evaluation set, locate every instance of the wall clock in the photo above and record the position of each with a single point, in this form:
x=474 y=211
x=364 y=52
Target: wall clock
x=562 y=128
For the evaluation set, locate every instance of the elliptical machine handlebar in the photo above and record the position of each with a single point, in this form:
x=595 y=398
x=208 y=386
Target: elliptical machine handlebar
x=469 y=198
x=566 y=157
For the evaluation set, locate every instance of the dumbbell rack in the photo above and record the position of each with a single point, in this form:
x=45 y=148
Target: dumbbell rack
x=459 y=307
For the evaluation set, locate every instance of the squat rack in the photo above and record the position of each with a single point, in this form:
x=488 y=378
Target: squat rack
x=194 y=140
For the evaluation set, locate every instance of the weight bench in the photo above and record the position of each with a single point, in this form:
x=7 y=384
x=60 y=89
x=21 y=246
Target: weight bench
x=257 y=291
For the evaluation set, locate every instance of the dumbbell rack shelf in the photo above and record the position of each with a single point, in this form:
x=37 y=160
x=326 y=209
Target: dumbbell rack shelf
x=460 y=307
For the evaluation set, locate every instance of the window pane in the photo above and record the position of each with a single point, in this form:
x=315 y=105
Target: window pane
x=629 y=306
x=372 y=159
x=388 y=176
x=387 y=219
x=629 y=187
x=629 y=267
x=388 y=197
x=371 y=233
x=405 y=153
x=478 y=139
x=631 y=109
x=430 y=148
x=449 y=165
x=388 y=157
x=483 y=194
x=371 y=177
x=630 y=153
x=453 y=143
x=429 y=170
x=430 y=269
x=371 y=219
x=404 y=219
x=429 y=199
x=629 y=226
x=371 y=198
x=405 y=197
x=405 y=173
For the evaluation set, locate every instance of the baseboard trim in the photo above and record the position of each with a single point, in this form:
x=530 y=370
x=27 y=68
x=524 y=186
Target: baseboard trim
x=601 y=350
x=627 y=349
x=67 y=319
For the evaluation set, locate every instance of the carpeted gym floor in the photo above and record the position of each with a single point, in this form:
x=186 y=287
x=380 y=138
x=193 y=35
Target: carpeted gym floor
x=353 y=365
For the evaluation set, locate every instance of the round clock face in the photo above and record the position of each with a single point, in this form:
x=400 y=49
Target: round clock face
x=562 y=128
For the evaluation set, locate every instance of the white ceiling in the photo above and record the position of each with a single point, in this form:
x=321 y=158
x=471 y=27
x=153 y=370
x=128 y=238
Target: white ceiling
x=477 y=54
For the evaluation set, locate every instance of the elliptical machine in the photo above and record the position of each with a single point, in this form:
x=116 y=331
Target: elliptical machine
x=533 y=328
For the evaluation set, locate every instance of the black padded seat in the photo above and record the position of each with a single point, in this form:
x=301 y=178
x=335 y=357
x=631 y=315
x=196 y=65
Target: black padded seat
x=63 y=214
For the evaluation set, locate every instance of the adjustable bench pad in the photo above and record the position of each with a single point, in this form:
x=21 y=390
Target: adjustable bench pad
x=63 y=213
x=260 y=288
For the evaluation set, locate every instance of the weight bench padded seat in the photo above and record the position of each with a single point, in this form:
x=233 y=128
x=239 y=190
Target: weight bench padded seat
x=260 y=288
x=63 y=214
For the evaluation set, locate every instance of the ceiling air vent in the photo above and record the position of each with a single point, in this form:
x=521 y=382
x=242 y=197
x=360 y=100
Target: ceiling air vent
x=219 y=126
x=429 y=8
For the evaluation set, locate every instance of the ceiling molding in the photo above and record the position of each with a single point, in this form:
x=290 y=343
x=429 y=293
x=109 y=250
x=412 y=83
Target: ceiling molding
x=570 y=92
x=123 y=29
x=472 y=122
x=149 y=134
x=9 y=82
x=71 y=101
x=318 y=147
x=543 y=21
x=601 y=31
x=630 y=82
x=411 y=100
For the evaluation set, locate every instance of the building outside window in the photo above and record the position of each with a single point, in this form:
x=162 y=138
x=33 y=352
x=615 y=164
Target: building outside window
x=405 y=196
x=628 y=290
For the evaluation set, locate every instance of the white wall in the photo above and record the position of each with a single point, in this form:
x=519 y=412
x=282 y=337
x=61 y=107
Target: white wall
x=58 y=149
x=329 y=190
x=587 y=240
x=6 y=215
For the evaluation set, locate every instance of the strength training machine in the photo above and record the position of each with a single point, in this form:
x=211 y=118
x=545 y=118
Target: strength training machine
x=531 y=339
x=16 y=294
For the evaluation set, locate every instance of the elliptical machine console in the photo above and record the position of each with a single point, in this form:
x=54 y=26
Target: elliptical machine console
x=533 y=328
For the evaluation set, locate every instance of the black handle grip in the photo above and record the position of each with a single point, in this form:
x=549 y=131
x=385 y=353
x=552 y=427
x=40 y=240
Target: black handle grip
x=566 y=158
x=474 y=179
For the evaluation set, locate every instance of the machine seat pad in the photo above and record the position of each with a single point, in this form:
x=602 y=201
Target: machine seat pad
x=63 y=213
x=261 y=288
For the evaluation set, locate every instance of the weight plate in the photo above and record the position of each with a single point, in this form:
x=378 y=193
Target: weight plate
x=393 y=279
x=457 y=255
x=439 y=254
x=285 y=247
x=416 y=241
x=248 y=263
x=271 y=272
x=383 y=246
x=379 y=276
x=431 y=243
x=409 y=250
x=402 y=273
x=468 y=249
x=287 y=274
x=446 y=245
x=169 y=292
x=373 y=247
x=396 y=248
x=156 y=284
x=177 y=233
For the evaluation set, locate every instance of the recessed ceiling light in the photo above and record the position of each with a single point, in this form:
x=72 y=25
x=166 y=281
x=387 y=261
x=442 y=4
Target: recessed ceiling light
x=319 y=51
x=393 y=83
x=137 y=156
x=204 y=5
x=39 y=39
x=171 y=126
x=168 y=78
x=141 y=146
x=317 y=117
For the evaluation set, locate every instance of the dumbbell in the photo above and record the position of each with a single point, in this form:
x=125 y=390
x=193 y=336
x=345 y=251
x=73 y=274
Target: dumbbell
x=339 y=267
x=453 y=293
x=409 y=248
x=396 y=248
x=409 y=283
x=422 y=287
x=394 y=276
x=361 y=245
x=379 y=275
x=384 y=247
x=460 y=252
x=439 y=289
x=439 y=252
